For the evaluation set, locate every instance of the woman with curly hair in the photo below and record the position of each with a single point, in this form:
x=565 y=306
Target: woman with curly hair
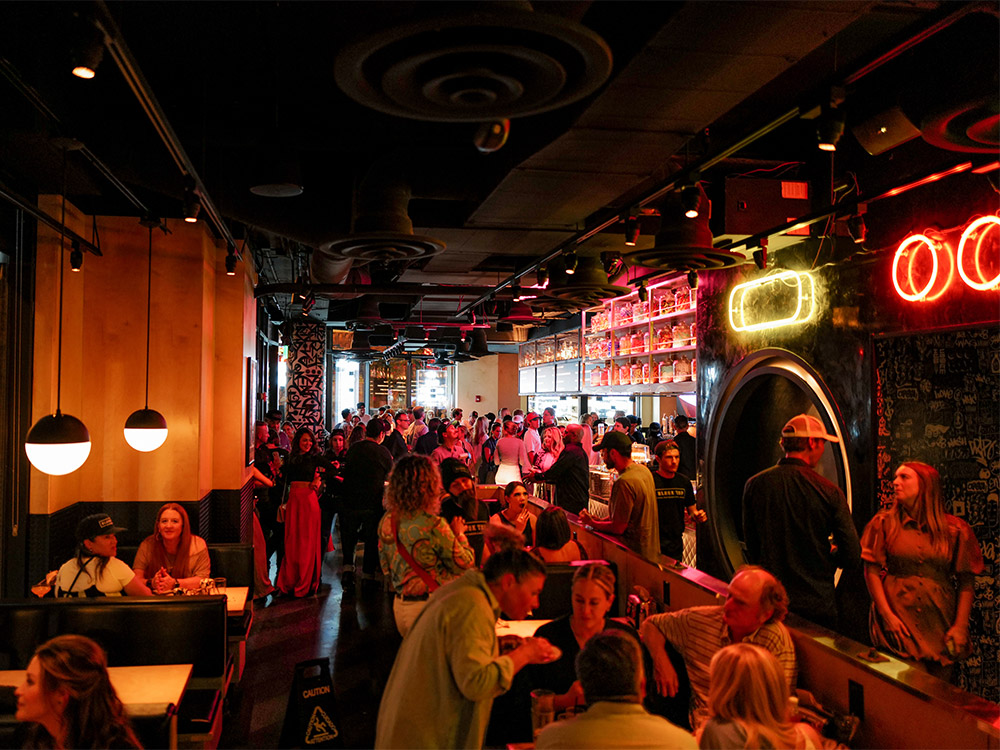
x=68 y=698
x=748 y=704
x=418 y=549
x=920 y=566
x=172 y=556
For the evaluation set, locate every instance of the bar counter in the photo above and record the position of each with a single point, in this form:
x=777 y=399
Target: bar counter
x=899 y=706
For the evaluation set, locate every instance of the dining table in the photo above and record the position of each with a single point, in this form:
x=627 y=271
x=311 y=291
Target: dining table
x=147 y=691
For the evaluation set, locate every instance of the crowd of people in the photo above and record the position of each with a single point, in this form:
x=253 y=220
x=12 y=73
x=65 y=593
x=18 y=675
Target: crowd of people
x=405 y=485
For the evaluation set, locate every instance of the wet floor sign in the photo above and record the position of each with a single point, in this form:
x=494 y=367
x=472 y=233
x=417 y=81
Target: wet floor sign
x=312 y=719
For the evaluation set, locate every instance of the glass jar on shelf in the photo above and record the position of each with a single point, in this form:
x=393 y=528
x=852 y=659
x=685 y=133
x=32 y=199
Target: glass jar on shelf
x=694 y=333
x=664 y=371
x=635 y=373
x=636 y=342
x=664 y=338
x=624 y=345
x=606 y=375
x=681 y=333
x=645 y=340
x=546 y=351
x=694 y=367
x=639 y=311
x=595 y=376
x=666 y=301
x=624 y=313
x=645 y=373
x=682 y=298
x=624 y=373
x=682 y=369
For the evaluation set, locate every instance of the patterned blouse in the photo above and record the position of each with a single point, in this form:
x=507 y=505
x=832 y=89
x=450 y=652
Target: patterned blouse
x=431 y=542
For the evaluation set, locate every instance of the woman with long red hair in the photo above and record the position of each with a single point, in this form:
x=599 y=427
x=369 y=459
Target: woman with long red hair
x=913 y=552
x=172 y=556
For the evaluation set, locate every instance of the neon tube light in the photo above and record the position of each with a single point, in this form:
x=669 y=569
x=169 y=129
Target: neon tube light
x=986 y=223
x=754 y=296
x=915 y=242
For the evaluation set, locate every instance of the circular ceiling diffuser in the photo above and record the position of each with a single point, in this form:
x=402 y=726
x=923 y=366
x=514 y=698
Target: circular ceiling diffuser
x=674 y=258
x=587 y=286
x=383 y=246
x=546 y=304
x=471 y=66
x=971 y=127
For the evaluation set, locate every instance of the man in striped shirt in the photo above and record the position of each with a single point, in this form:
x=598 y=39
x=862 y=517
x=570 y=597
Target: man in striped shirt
x=755 y=605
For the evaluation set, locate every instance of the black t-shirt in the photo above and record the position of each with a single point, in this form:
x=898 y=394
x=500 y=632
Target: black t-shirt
x=475 y=527
x=672 y=497
x=365 y=468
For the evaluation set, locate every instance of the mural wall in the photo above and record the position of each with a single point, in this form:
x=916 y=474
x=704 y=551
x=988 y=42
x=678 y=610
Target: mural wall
x=306 y=375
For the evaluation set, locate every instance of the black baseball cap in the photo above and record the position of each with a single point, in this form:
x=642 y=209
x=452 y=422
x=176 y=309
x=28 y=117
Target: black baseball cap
x=96 y=525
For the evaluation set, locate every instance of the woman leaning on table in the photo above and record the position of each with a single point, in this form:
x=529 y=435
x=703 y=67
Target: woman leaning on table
x=919 y=566
x=418 y=549
x=68 y=700
x=172 y=557
x=95 y=571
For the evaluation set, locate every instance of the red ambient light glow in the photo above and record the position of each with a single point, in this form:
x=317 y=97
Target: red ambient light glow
x=984 y=232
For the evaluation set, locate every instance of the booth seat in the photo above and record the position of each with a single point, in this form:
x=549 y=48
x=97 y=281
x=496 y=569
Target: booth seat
x=136 y=631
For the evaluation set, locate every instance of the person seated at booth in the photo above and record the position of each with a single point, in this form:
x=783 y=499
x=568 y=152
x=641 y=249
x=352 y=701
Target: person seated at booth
x=172 y=557
x=749 y=706
x=554 y=542
x=613 y=684
x=515 y=514
x=68 y=700
x=95 y=571
x=756 y=604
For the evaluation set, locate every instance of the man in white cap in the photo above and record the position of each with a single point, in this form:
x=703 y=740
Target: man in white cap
x=789 y=514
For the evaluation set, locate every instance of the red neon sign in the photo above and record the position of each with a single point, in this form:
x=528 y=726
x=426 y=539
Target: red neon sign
x=924 y=267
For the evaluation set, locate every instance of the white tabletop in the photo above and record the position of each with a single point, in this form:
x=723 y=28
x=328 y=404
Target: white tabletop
x=145 y=691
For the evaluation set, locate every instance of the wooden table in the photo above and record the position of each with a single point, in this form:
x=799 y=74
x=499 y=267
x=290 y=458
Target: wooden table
x=236 y=599
x=145 y=691
x=523 y=628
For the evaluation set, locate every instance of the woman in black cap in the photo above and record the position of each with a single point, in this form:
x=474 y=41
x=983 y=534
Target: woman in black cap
x=95 y=571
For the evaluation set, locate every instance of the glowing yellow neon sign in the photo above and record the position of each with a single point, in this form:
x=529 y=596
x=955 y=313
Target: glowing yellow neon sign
x=751 y=301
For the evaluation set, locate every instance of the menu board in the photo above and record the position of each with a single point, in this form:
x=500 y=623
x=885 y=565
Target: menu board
x=937 y=401
x=568 y=377
x=526 y=380
x=545 y=379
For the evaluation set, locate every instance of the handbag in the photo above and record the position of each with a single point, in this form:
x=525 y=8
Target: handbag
x=426 y=577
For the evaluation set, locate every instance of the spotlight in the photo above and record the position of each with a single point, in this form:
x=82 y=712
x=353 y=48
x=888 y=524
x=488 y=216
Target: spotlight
x=309 y=303
x=691 y=201
x=231 y=264
x=631 y=229
x=612 y=262
x=76 y=257
x=693 y=279
x=571 y=262
x=856 y=225
x=491 y=136
x=643 y=292
x=192 y=204
x=89 y=50
x=829 y=128
x=515 y=290
x=760 y=258
x=542 y=277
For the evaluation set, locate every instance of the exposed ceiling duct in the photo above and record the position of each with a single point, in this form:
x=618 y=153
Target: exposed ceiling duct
x=587 y=286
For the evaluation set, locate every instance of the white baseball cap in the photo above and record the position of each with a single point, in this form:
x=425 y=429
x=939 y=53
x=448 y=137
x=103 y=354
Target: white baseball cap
x=807 y=426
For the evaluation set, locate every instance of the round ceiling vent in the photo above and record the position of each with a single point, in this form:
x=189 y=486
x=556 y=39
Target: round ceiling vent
x=383 y=246
x=672 y=258
x=471 y=66
x=972 y=127
x=588 y=286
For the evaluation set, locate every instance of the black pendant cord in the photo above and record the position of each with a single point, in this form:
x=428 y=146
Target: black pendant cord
x=149 y=292
x=62 y=242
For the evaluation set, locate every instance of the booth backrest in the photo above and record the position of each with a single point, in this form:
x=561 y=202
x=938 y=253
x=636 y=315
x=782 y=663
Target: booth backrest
x=556 y=597
x=234 y=562
x=134 y=631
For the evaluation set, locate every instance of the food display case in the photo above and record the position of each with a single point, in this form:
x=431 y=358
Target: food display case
x=643 y=346
x=550 y=364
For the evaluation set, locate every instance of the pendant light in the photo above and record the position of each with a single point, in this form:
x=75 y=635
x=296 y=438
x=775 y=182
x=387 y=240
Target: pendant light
x=146 y=429
x=58 y=443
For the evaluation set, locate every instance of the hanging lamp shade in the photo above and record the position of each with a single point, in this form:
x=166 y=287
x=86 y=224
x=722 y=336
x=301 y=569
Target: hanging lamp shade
x=57 y=444
x=145 y=430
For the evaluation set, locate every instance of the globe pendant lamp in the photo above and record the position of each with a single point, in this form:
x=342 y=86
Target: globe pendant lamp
x=58 y=444
x=145 y=428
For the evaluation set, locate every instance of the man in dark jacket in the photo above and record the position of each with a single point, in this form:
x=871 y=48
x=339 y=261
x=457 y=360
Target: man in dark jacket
x=366 y=467
x=427 y=442
x=396 y=442
x=570 y=473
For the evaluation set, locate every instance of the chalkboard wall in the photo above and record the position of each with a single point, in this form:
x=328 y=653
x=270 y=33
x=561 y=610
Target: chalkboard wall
x=937 y=400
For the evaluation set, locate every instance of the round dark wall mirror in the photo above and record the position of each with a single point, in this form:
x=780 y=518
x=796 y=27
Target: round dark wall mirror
x=760 y=394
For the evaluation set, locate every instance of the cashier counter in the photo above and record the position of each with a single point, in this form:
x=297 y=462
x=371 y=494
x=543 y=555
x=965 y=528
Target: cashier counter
x=899 y=707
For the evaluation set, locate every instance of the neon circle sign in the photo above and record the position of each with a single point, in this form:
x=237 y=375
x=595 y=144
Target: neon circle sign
x=924 y=267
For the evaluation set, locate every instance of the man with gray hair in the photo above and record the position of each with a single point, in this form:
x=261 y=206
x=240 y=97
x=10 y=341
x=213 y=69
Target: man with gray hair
x=610 y=672
x=570 y=473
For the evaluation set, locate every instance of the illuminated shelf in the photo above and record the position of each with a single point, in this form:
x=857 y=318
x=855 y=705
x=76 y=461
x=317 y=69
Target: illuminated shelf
x=684 y=386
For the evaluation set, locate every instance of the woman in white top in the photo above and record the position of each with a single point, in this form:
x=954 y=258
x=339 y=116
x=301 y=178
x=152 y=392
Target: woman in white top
x=511 y=455
x=552 y=446
x=95 y=571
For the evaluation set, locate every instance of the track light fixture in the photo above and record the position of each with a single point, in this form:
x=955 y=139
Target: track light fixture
x=542 y=277
x=856 y=225
x=89 y=49
x=192 y=203
x=643 y=292
x=631 y=229
x=829 y=128
x=231 y=263
x=613 y=263
x=570 y=259
x=691 y=201
x=760 y=258
x=76 y=257
x=58 y=443
x=309 y=303
x=515 y=290
x=693 y=279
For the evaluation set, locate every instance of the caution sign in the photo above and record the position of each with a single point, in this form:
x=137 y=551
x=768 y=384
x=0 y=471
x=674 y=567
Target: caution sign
x=312 y=719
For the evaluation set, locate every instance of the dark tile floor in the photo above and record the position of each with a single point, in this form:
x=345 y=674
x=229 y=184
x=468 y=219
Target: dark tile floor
x=355 y=629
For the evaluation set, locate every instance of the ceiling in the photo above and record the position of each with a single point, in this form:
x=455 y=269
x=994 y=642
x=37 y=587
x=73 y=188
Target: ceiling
x=375 y=108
